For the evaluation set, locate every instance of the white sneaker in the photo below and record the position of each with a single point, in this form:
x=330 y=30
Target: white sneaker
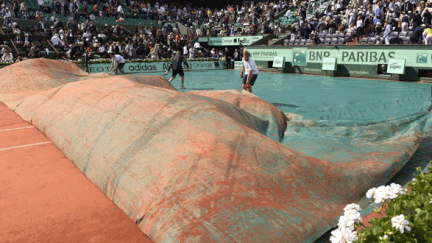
x=183 y=87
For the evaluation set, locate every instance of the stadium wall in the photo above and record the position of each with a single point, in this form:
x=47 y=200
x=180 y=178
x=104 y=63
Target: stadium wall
x=351 y=61
x=148 y=67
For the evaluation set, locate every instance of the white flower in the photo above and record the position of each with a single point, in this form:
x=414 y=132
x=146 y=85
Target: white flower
x=353 y=215
x=385 y=237
x=381 y=194
x=352 y=206
x=343 y=236
x=345 y=222
x=400 y=223
x=370 y=193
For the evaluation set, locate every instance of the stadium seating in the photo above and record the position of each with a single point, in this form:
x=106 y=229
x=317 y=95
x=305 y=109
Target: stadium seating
x=371 y=41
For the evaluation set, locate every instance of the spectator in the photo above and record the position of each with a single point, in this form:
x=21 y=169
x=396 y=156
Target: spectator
x=27 y=40
x=15 y=9
x=228 y=57
x=7 y=56
x=417 y=34
x=288 y=14
x=427 y=35
x=359 y=27
x=387 y=32
x=140 y=51
x=33 y=53
x=129 y=49
x=416 y=20
x=378 y=29
x=185 y=51
x=427 y=17
x=197 y=46
x=41 y=4
x=191 y=52
x=405 y=23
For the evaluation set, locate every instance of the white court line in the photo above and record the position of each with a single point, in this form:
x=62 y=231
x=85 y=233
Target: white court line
x=22 y=146
x=13 y=129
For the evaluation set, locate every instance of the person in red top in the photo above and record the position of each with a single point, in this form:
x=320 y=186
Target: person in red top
x=95 y=10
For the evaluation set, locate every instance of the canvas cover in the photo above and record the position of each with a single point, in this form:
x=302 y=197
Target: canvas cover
x=207 y=166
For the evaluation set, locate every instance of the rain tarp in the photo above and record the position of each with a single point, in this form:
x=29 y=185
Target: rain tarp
x=207 y=166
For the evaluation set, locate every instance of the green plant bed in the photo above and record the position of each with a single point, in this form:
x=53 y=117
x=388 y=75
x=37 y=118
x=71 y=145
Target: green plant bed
x=407 y=218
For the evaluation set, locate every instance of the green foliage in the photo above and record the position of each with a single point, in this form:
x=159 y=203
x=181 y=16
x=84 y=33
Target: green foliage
x=416 y=206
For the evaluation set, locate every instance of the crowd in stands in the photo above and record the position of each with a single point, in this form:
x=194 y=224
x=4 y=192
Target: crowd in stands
x=387 y=21
x=246 y=19
x=384 y=21
x=80 y=33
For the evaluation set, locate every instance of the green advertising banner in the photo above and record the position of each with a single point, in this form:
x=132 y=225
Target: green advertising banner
x=148 y=67
x=299 y=56
x=396 y=66
x=238 y=65
x=203 y=39
x=233 y=41
x=329 y=64
x=359 y=56
x=279 y=62
x=269 y=54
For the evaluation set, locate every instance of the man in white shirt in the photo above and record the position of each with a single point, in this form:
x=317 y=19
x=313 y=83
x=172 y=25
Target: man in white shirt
x=55 y=40
x=197 y=46
x=102 y=50
x=288 y=14
x=87 y=35
x=185 y=51
x=191 y=52
x=119 y=61
x=251 y=71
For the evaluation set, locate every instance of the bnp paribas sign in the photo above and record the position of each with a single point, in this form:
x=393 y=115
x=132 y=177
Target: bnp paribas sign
x=360 y=56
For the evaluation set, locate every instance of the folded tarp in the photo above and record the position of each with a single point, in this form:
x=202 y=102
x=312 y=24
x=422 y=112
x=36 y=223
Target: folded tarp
x=195 y=166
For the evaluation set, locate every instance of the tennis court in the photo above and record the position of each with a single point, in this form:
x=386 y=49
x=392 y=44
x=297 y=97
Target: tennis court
x=216 y=156
x=335 y=103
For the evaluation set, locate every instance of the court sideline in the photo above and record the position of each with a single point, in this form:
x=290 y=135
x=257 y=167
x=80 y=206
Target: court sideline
x=45 y=198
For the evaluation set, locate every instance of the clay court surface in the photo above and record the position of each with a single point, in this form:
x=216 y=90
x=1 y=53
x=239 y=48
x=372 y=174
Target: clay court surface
x=45 y=198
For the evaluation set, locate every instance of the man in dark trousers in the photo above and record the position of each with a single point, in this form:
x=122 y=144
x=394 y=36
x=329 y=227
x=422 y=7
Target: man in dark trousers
x=85 y=59
x=140 y=51
x=176 y=65
x=417 y=34
x=227 y=55
x=306 y=31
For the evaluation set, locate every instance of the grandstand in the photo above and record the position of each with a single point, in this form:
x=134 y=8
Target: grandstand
x=185 y=20
x=304 y=23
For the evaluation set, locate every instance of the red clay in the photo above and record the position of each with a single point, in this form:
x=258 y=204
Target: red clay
x=45 y=198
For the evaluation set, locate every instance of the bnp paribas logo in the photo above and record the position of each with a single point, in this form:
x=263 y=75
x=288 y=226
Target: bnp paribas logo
x=421 y=58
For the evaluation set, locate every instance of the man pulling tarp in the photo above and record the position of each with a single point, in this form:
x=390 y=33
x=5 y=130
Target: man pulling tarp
x=176 y=65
